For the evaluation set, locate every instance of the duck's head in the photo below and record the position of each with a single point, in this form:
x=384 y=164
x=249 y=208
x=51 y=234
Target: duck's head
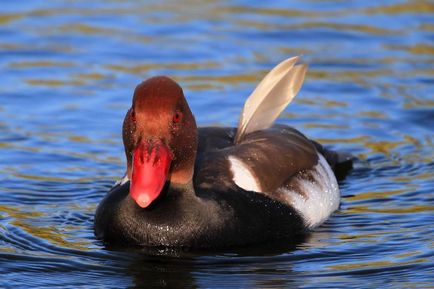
x=160 y=139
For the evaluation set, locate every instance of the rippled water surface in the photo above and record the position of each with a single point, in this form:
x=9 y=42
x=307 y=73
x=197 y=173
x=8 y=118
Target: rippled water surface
x=68 y=69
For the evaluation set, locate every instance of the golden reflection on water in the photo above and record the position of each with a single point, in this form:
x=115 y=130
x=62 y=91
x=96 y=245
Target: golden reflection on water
x=145 y=67
x=26 y=219
x=325 y=126
x=323 y=25
x=87 y=29
x=15 y=213
x=268 y=11
x=358 y=139
x=55 y=82
x=421 y=177
x=398 y=210
x=6 y=18
x=321 y=101
x=379 y=194
x=376 y=264
x=427 y=27
x=383 y=147
x=418 y=6
x=41 y=63
x=372 y=114
x=420 y=48
x=22 y=218
x=51 y=234
x=90 y=76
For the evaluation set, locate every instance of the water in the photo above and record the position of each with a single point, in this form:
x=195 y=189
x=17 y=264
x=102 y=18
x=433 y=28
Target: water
x=68 y=69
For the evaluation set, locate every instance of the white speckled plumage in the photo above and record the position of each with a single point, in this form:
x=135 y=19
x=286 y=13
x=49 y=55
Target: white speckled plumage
x=319 y=198
x=315 y=200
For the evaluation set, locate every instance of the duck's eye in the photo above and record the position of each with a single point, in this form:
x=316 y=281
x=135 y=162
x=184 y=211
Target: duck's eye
x=133 y=115
x=177 y=117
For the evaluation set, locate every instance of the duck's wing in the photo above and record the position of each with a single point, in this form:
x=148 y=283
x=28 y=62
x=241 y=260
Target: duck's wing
x=261 y=162
x=270 y=157
x=266 y=159
x=288 y=167
x=271 y=97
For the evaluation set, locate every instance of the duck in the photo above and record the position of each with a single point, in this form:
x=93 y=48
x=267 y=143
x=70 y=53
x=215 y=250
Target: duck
x=206 y=187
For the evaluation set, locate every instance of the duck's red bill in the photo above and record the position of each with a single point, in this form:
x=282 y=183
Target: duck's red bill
x=151 y=163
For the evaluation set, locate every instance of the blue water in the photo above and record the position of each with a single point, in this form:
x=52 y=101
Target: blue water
x=68 y=70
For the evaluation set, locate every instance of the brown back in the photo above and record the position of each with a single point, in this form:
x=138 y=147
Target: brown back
x=273 y=155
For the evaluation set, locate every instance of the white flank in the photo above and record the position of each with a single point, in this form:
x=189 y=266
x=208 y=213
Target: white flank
x=243 y=177
x=322 y=195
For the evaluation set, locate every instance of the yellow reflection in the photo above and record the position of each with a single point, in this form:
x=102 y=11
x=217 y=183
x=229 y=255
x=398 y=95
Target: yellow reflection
x=87 y=29
x=427 y=27
x=53 y=82
x=322 y=101
x=56 y=179
x=79 y=139
x=322 y=125
x=360 y=139
x=90 y=76
x=365 y=238
x=400 y=210
x=5 y=145
x=372 y=114
x=22 y=219
x=352 y=75
x=371 y=264
x=377 y=195
x=6 y=18
x=44 y=63
x=78 y=11
x=414 y=49
x=7 y=249
x=420 y=6
x=268 y=11
x=307 y=25
x=384 y=147
x=408 y=254
x=344 y=27
x=199 y=87
x=51 y=234
x=228 y=79
x=141 y=68
x=295 y=50
x=422 y=176
x=17 y=214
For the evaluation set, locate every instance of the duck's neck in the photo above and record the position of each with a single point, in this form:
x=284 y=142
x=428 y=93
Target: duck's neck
x=186 y=188
x=182 y=177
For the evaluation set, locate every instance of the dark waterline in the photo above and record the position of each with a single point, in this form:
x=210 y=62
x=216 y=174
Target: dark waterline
x=68 y=71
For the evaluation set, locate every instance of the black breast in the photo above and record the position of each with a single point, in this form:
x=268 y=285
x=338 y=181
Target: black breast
x=209 y=218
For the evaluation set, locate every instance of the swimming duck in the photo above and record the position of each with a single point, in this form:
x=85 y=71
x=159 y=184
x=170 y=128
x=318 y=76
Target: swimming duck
x=218 y=186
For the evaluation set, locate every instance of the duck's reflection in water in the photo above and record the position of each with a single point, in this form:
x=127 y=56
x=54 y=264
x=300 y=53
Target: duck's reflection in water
x=183 y=268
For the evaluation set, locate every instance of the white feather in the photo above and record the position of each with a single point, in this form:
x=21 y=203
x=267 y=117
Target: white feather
x=271 y=97
x=243 y=176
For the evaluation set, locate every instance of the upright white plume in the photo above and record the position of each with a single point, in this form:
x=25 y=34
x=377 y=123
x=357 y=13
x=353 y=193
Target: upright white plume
x=271 y=97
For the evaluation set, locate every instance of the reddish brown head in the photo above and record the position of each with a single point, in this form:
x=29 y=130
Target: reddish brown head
x=160 y=139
